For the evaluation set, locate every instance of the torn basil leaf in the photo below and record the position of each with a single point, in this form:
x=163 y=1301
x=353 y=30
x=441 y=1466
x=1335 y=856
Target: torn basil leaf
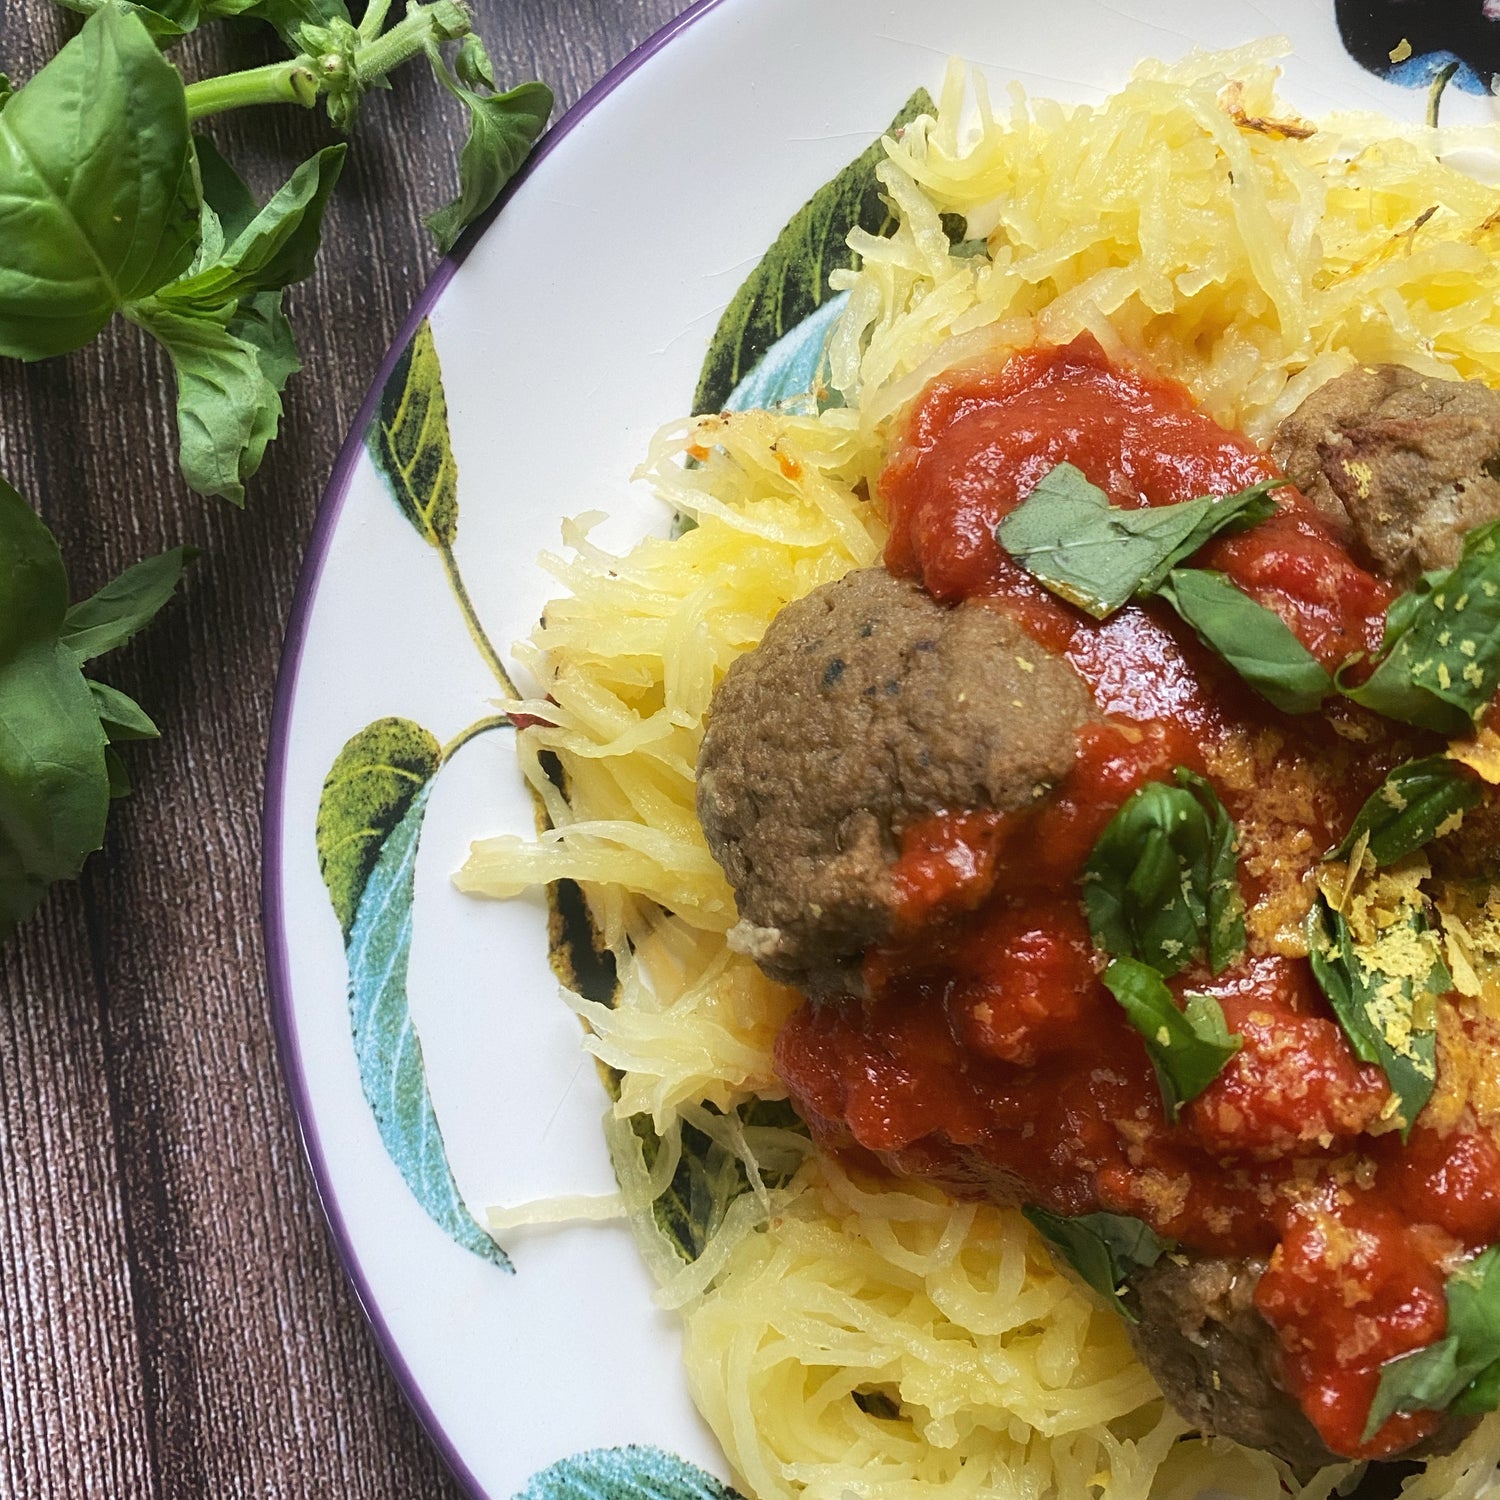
x=1096 y=555
x=58 y=771
x=1415 y=803
x=1380 y=1012
x=1160 y=884
x=275 y=248
x=1188 y=1048
x=124 y=605
x=1442 y=661
x=1254 y=640
x=120 y=716
x=502 y=129
x=1105 y=1249
x=1460 y=1372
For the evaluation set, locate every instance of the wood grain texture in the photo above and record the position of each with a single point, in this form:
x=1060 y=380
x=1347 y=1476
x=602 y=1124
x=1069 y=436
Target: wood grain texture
x=173 y=1320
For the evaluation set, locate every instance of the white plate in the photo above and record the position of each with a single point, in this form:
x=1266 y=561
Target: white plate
x=566 y=332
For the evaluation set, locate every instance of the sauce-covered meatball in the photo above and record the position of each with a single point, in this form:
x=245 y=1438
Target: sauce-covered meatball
x=866 y=706
x=1412 y=462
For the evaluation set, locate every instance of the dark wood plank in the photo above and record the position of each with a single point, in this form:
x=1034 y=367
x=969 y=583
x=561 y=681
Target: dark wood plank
x=174 y=1319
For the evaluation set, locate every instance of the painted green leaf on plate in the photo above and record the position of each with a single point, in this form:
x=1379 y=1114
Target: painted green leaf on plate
x=791 y=280
x=636 y=1472
x=368 y=830
x=409 y=442
x=366 y=793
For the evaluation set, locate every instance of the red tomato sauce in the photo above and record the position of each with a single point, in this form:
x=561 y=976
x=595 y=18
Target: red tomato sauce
x=988 y=1056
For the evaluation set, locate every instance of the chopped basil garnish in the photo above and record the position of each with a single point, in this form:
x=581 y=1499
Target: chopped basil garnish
x=1442 y=644
x=1416 y=802
x=1188 y=1047
x=1096 y=555
x=1105 y=1249
x=1254 y=640
x=1388 y=1019
x=1160 y=884
x=1459 y=1373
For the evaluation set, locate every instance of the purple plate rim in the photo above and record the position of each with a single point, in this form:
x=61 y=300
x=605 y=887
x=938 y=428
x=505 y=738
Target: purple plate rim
x=325 y=523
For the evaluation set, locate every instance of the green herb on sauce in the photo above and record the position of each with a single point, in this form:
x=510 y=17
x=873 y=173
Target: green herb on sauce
x=1105 y=1249
x=1160 y=884
x=1386 y=1013
x=1459 y=1373
x=1419 y=801
x=1442 y=644
x=1254 y=640
x=1096 y=555
x=1189 y=1047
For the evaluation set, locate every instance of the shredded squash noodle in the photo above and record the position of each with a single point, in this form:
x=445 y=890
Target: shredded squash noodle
x=848 y=1336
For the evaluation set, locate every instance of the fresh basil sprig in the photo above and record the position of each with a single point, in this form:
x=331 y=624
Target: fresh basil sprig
x=58 y=767
x=1105 y=1249
x=1189 y=1048
x=1254 y=640
x=1417 y=801
x=1160 y=884
x=101 y=209
x=1096 y=555
x=1461 y=1372
x=1382 y=1014
x=1441 y=662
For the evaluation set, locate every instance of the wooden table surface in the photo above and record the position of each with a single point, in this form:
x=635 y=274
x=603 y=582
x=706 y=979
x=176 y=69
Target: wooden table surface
x=173 y=1319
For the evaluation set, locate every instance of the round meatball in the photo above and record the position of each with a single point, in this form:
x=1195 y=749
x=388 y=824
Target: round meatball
x=1408 y=461
x=1219 y=1363
x=867 y=706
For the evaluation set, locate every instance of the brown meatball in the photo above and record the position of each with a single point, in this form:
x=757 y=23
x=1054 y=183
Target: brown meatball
x=1216 y=1359
x=1220 y=1364
x=1410 y=461
x=866 y=706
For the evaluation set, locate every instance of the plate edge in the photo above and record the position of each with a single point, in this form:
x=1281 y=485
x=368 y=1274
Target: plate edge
x=273 y=926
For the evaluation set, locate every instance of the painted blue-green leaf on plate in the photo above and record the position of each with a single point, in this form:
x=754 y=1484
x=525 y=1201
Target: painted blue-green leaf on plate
x=369 y=827
x=636 y=1472
x=793 y=368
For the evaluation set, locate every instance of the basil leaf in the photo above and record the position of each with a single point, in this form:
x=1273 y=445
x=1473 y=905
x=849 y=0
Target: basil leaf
x=1224 y=906
x=277 y=247
x=54 y=789
x=1254 y=640
x=116 y=774
x=287 y=16
x=1377 y=1010
x=1105 y=1249
x=1442 y=662
x=7 y=89
x=110 y=617
x=258 y=321
x=502 y=130
x=1069 y=537
x=1410 y=807
x=57 y=774
x=166 y=20
x=224 y=190
x=100 y=201
x=1160 y=883
x=121 y=717
x=1461 y=1371
x=1427 y=1379
x=227 y=408
x=1482 y=1394
x=1188 y=1047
